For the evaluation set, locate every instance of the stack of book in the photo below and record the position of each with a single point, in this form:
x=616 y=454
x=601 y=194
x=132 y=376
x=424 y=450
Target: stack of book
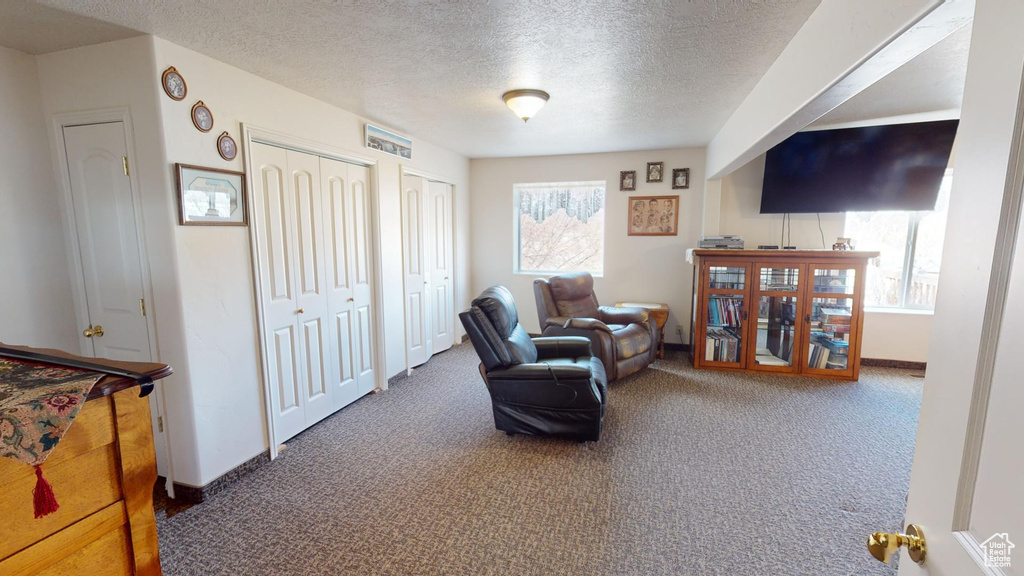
x=721 y=346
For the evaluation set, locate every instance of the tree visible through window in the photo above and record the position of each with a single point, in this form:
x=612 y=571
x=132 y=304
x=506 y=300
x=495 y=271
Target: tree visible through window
x=560 y=226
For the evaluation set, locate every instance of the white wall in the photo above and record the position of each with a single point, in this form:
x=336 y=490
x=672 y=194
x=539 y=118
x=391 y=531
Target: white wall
x=214 y=262
x=889 y=334
x=121 y=75
x=36 y=308
x=651 y=268
x=203 y=295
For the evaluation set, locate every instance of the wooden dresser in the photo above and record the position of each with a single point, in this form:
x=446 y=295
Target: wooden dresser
x=103 y=473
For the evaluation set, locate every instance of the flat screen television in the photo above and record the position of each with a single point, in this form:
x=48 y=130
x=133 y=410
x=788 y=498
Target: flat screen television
x=893 y=167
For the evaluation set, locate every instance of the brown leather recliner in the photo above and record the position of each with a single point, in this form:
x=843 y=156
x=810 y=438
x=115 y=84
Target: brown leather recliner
x=625 y=339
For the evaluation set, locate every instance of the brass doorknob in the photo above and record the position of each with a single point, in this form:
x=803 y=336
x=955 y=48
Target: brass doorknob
x=883 y=545
x=90 y=331
x=352 y=299
x=300 y=310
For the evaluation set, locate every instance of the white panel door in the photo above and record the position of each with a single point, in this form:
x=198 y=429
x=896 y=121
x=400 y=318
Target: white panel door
x=107 y=240
x=439 y=246
x=311 y=286
x=362 y=277
x=274 y=205
x=417 y=307
x=350 y=318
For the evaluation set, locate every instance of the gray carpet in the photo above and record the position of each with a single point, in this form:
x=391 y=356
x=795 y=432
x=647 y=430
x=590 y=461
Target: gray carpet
x=696 y=473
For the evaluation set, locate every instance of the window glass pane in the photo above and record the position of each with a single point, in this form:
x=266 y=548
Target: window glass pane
x=561 y=226
x=724 y=333
x=776 y=325
x=779 y=279
x=924 y=278
x=727 y=277
x=884 y=232
x=830 y=333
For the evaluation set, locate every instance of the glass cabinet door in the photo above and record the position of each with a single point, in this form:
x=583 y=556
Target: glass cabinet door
x=726 y=314
x=832 y=320
x=776 y=297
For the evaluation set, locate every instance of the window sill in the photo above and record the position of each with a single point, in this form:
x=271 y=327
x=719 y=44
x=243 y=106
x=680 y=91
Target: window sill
x=905 y=311
x=550 y=274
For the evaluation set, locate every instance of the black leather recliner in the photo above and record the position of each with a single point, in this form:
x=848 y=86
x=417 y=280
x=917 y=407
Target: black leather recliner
x=542 y=386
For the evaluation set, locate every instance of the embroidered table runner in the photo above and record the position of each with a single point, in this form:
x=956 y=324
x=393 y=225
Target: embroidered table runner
x=38 y=403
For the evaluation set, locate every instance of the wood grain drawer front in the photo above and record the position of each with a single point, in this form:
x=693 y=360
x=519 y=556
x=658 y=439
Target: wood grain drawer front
x=68 y=542
x=83 y=485
x=92 y=428
x=111 y=555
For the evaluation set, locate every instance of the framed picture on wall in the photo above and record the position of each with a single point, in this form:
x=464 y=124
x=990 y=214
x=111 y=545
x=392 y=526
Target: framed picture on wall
x=653 y=215
x=388 y=142
x=210 y=196
x=655 y=171
x=627 y=180
x=680 y=178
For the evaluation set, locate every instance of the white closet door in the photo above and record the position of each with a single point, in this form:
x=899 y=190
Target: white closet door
x=439 y=245
x=312 y=313
x=417 y=308
x=274 y=206
x=347 y=215
x=361 y=266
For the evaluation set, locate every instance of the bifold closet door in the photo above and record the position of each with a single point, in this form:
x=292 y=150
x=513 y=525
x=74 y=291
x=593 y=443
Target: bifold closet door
x=417 y=307
x=349 y=273
x=438 y=233
x=274 y=221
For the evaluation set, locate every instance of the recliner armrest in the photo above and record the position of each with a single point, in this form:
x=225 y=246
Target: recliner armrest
x=572 y=386
x=555 y=321
x=540 y=371
x=562 y=347
x=586 y=324
x=615 y=315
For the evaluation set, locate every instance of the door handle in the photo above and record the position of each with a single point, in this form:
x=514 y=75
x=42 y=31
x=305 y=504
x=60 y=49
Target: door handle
x=300 y=310
x=445 y=277
x=882 y=545
x=90 y=331
x=351 y=300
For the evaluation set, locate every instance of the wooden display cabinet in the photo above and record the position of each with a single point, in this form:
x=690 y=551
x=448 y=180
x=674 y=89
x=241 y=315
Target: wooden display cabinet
x=779 y=311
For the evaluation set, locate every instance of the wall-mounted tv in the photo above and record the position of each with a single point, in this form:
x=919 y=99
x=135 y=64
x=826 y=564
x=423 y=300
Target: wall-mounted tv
x=893 y=167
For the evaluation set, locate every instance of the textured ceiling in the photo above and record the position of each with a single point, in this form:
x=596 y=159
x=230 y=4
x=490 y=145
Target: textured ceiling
x=934 y=81
x=623 y=75
x=38 y=29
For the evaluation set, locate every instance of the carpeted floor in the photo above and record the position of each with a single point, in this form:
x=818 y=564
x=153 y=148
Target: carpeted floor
x=696 y=473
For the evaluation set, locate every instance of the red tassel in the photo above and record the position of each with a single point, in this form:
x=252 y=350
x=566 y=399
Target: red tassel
x=43 y=499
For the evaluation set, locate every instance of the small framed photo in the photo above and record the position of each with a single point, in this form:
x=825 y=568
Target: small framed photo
x=680 y=178
x=226 y=146
x=627 y=180
x=174 y=85
x=202 y=118
x=653 y=215
x=388 y=142
x=210 y=196
x=655 y=171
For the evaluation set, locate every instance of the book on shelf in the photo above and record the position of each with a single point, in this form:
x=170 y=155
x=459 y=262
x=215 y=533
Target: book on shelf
x=765 y=357
x=725 y=311
x=721 y=345
x=818 y=356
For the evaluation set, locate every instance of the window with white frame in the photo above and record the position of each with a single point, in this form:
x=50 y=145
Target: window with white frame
x=559 y=227
x=906 y=274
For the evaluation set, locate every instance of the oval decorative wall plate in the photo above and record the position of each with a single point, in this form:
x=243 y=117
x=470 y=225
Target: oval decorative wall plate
x=202 y=117
x=174 y=84
x=226 y=146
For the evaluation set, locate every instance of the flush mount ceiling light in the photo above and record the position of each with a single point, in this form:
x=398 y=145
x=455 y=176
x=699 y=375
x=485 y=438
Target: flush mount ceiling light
x=525 y=103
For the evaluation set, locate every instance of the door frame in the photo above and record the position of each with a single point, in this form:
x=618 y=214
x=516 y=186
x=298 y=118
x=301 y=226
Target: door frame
x=60 y=160
x=403 y=171
x=255 y=134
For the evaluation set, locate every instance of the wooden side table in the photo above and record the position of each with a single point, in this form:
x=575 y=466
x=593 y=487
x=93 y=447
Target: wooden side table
x=659 y=312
